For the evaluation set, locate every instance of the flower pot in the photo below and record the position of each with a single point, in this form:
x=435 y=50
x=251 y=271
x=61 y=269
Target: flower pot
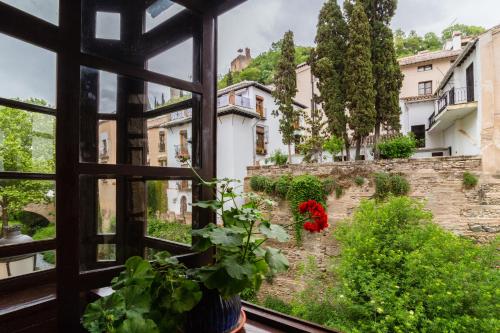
x=214 y=314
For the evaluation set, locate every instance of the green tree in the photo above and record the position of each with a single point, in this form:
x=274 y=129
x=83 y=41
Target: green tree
x=333 y=145
x=229 y=78
x=285 y=82
x=387 y=75
x=26 y=145
x=360 y=94
x=327 y=64
x=466 y=30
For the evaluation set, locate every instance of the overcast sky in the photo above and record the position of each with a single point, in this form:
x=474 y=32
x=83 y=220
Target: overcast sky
x=258 y=23
x=27 y=71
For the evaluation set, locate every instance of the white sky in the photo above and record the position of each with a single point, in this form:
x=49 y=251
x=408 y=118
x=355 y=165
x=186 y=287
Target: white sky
x=27 y=71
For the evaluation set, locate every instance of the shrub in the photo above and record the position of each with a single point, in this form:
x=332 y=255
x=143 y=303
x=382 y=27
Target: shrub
x=282 y=185
x=399 y=272
x=329 y=185
x=276 y=304
x=172 y=231
x=270 y=186
x=399 y=147
x=304 y=188
x=258 y=183
x=47 y=232
x=469 y=180
x=359 y=181
x=278 y=158
x=390 y=184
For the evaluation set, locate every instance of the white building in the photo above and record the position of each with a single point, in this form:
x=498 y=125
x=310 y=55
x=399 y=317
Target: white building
x=247 y=134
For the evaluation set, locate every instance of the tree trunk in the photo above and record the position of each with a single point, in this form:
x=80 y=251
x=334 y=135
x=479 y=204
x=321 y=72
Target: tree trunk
x=358 y=149
x=376 y=153
x=289 y=153
x=347 y=147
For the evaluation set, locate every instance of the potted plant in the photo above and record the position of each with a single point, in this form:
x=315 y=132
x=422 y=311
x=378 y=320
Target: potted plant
x=165 y=296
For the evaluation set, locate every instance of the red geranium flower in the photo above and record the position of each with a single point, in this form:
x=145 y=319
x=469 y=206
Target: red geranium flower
x=316 y=219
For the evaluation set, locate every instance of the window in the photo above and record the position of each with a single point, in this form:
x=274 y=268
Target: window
x=425 y=88
x=438 y=154
x=260 y=148
x=182 y=150
x=424 y=68
x=419 y=133
x=259 y=106
x=107 y=26
x=161 y=145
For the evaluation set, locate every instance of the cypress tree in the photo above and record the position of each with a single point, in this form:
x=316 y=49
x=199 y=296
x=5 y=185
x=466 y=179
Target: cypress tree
x=229 y=78
x=327 y=64
x=387 y=75
x=360 y=94
x=285 y=81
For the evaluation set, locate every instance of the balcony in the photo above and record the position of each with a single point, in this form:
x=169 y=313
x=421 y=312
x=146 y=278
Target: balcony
x=181 y=152
x=452 y=105
x=236 y=100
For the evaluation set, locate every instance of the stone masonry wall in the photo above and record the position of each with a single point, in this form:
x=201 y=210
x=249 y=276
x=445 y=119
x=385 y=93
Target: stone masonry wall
x=474 y=213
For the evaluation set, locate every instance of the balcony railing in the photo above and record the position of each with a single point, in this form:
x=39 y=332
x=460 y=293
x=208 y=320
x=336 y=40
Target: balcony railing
x=181 y=152
x=236 y=100
x=452 y=97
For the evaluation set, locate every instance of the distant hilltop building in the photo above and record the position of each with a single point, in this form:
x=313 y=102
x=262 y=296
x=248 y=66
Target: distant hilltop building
x=241 y=61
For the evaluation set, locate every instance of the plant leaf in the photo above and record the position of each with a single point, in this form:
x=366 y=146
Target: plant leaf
x=274 y=231
x=276 y=260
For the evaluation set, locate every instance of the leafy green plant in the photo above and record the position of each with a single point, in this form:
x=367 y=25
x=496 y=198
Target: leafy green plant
x=329 y=184
x=259 y=183
x=278 y=158
x=241 y=261
x=390 y=184
x=399 y=272
x=304 y=188
x=148 y=297
x=282 y=186
x=469 y=180
x=173 y=231
x=399 y=147
x=333 y=145
x=277 y=304
x=47 y=232
x=359 y=181
x=270 y=186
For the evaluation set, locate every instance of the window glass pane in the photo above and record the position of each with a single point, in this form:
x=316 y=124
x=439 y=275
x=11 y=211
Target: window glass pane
x=106 y=212
x=27 y=141
x=27 y=72
x=107 y=92
x=30 y=209
x=160 y=11
x=170 y=210
x=106 y=252
x=47 y=10
x=107 y=25
x=107 y=141
x=158 y=96
x=176 y=62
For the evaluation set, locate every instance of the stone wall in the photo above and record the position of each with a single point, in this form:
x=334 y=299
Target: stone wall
x=470 y=212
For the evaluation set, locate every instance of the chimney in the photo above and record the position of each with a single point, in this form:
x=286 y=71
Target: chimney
x=457 y=40
x=247 y=52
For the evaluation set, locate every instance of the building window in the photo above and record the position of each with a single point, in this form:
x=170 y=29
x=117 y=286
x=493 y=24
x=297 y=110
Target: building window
x=260 y=148
x=161 y=144
x=419 y=133
x=438 y=154
x=424 y=68
x=425 y=88
x=259 y=106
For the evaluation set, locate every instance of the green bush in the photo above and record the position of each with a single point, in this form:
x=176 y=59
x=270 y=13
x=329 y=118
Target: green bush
x=399 y=147
x=399 y=272
x=276 y=304
x=359 y=181
x=172 y=231
x=270 y=186
x=258 y=183
x=47 y=232
x=278 y=158
x=303 y=188
x=282 y=185
x=469 y=180
x=390 y=184
x=329 y=185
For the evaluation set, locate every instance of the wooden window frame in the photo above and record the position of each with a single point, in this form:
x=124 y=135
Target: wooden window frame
x=425 y=88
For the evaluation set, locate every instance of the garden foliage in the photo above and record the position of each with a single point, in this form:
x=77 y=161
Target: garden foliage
x=469 y=180
x=387 y=184
x=400 y=147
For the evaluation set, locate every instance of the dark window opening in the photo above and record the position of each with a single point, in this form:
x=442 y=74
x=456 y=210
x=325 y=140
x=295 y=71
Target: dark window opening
x=419 y=133
x=438 y=154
